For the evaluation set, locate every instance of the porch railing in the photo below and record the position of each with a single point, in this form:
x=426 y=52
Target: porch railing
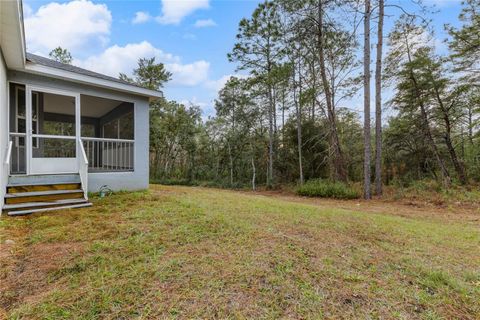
x=83 y=169
x=7 y=161
x=109 y=155
x=17 y=159
x=102 y=155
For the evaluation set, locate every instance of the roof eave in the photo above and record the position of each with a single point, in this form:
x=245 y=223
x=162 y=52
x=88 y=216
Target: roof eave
x=12 y=34
x=89 y=80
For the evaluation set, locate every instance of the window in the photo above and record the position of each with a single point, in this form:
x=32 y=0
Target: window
x=21 y=117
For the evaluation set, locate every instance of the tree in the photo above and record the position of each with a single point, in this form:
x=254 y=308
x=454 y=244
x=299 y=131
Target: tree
x=366 y=102
x=173 y=128
x=235 y=108
x=148 y=74
x=258 y=50
x=378 y=100
x=61 y=55
x=465 y=43
x=338 y=165
x=446 y=99
x=407 y=42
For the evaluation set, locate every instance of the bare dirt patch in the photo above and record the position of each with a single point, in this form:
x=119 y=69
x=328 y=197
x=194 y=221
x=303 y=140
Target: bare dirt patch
x=27 y=272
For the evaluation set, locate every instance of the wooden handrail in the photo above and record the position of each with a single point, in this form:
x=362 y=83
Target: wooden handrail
x=84 y=154
x=83 y=168
x=9 y=153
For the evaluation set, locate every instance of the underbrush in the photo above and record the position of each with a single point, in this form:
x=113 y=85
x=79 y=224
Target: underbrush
x=432 y=191
x=327 y=189
x=200 y=183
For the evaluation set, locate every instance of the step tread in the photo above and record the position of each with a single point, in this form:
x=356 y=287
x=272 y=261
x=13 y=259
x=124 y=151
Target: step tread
x=40 y=193
x=25 y=212
x=43 y=179
x=39 y=184
x=42 y=204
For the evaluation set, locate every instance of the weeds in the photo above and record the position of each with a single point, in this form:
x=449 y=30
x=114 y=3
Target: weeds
x=327 y=189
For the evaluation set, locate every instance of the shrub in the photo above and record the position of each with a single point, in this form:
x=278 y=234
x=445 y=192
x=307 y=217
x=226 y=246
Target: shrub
x=174 y=182
x=327 y=189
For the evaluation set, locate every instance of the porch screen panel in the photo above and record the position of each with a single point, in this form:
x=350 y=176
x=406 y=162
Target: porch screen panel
x=56 y=132
x=56 y=148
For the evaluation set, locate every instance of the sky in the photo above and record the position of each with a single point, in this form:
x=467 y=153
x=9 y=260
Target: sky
x=191 y=37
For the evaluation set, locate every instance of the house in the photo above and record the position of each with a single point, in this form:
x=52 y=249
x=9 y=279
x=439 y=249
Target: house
x=64 y=131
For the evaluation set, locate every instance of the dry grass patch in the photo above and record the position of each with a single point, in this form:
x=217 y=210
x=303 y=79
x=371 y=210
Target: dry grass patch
x=179 y=252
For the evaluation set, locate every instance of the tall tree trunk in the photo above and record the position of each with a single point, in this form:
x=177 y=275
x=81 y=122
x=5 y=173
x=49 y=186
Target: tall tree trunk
x=231 y=162
x=378 y=100
x=443 y=168
x=446 y=180
x=448 y=138
x=283 y=116
x=470 y=124
x=337 y=162
x=270 y=139
x=253 y=174
x=456 y=163
x=366 y=103
x=314 y=86
x=298 y=107
x=271 y=130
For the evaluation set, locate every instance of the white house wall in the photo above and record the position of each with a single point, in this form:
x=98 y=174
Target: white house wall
x=136 y=180
x=3 y=126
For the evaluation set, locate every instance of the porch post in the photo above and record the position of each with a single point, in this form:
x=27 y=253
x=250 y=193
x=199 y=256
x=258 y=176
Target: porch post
x=28 y=128
x=78 y=125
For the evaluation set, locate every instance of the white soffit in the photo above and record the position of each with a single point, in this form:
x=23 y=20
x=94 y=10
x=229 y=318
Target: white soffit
x=12 y=36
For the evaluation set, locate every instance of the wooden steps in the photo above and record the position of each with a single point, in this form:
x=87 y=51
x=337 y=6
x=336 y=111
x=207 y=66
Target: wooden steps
x=40 y=205
x=29 y=211
x=43 y=187
x=43 y=179
x=29 y=194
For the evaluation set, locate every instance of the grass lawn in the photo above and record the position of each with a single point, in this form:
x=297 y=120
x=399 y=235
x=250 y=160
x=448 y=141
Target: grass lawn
x=180 y=252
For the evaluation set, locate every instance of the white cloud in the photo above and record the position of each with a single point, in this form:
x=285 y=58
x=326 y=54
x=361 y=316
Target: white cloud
x=27 y=10
x=141 y=17
x=205 y=23
x=116 y=59
x=217 y=85
x=189 y=74
x=194 y=101
x=173 y=11
x=207 y=108
x=71 y=25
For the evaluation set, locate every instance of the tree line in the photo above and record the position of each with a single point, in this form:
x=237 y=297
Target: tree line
x=288 y=120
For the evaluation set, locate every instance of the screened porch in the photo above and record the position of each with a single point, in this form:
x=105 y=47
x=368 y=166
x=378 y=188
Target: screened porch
x=50 y=130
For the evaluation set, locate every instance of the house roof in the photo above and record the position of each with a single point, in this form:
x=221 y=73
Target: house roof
x=68 y=67
x=48 y=67
x=12 y=44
